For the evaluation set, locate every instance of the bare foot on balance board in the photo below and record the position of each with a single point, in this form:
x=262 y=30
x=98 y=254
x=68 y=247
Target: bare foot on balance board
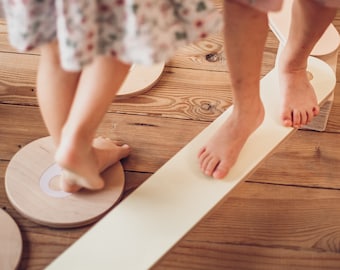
x=83 y=168
x=299 y=102
x=222 y=150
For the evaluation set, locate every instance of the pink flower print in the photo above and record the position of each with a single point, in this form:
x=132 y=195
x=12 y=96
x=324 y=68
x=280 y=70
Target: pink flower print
x=104 y=8
x=203 y=35
x=199 y=23
x=113 y=53
x=120 y=2
x=30 y=47
x=89 y=47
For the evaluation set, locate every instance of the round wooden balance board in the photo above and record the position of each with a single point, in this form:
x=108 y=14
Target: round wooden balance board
x=32 y=183
x=10 y=242
x=140 y=79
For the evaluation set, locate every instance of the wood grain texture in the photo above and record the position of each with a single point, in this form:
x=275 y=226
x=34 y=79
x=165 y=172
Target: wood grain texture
x=285 y=216
x=264 y=227
x=11 y=242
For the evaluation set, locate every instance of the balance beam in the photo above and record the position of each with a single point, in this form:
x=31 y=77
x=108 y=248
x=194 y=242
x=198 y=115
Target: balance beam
x=153 y=218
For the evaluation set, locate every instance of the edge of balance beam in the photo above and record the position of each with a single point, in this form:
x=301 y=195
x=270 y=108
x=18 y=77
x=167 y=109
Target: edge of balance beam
x=326 y=49
x=152 y=219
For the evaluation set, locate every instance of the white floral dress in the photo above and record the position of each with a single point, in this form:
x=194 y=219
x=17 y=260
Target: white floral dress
x=135 y=31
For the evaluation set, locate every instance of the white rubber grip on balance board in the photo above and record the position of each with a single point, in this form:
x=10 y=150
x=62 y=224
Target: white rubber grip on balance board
x=152 y=219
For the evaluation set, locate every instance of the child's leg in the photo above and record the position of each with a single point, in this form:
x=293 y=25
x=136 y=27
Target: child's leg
x=309 y=21
x=96 y=89
x=245 y=34
x=56 y=90
x=107 y=152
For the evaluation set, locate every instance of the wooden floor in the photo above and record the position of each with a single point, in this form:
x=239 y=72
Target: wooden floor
x=286 y=215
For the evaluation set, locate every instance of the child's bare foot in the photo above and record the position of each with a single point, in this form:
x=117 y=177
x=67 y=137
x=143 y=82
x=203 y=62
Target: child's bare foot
x=222 y=150
x=89 y=163
x=109 y=152
x=300 y=104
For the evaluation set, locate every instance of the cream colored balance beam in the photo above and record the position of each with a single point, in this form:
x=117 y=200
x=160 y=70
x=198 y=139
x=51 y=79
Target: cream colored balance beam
x=151 y=220
x=326 y=49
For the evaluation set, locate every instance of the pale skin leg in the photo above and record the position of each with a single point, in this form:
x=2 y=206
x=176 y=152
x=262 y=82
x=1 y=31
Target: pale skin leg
x=73 y=105
x=244 y=44
x=309 y=21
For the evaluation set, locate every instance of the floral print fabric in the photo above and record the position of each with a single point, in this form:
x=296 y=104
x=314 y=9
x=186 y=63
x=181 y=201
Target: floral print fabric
x=135 y=31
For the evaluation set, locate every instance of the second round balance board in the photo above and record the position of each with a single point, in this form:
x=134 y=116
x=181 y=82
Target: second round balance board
x=152 y=219
x=33 y=188
x=10 y=242
x=140 y=79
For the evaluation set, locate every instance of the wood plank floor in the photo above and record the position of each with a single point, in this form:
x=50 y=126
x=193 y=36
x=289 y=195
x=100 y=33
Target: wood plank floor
x=286 y=215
